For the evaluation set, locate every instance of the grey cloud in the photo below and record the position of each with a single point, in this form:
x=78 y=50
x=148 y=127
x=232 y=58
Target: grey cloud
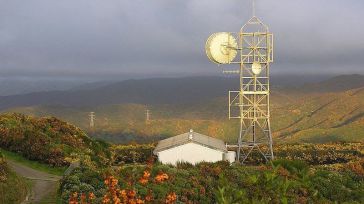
x=110 y=37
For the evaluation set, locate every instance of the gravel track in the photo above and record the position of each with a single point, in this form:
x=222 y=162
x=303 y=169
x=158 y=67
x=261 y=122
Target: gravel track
x=43 y=183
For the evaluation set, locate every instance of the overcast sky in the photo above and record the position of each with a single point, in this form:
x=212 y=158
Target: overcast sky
x=167 y=37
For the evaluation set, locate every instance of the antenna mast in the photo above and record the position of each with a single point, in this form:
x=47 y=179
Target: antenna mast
x=250 y=103
x=253 y=8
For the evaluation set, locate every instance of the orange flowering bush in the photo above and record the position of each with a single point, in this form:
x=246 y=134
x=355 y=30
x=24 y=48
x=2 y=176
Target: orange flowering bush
x=125 y=192
x=171 y=198
x=161 y=177
x=145 y=178
x=357 y=167
x=82 y=198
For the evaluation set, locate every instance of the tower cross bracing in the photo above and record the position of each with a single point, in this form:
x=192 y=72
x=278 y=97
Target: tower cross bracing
x=253 y=54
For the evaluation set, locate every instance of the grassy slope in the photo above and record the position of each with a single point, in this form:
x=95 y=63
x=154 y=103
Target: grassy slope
x=325 y=117
x=13 y=188
x=309 y=117
x=48 y=140
x=33 y=164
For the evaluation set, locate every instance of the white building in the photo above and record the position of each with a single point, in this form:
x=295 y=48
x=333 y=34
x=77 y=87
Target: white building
x=191 y=147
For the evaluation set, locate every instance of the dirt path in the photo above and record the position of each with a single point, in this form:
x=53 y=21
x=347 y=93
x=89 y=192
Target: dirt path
x=43 y=183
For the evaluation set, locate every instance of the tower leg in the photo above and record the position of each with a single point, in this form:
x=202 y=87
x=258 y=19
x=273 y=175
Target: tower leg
x=255 y=138
x=240 y=141
x=270 y=140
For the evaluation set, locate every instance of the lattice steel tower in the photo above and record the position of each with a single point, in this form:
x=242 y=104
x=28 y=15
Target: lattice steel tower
x=250 y=103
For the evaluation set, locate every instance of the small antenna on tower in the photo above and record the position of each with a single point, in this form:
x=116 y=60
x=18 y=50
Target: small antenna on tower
x=253 y=8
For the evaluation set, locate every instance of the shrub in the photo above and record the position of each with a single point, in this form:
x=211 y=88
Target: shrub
x=293 y=166
x=49 y=140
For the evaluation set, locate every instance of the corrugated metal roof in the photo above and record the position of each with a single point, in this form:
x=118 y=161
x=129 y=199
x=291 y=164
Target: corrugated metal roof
x=190 y=137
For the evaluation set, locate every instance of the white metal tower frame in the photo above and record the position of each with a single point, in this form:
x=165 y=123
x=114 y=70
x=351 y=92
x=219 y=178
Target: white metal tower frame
x=250 y=103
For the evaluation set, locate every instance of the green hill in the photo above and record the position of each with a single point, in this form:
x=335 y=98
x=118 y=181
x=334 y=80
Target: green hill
x=299 y=114
x=48 y=140
x=322 y=117
x=308 y=117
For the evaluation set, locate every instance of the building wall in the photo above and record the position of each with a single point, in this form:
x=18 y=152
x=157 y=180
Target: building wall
x=190 y=152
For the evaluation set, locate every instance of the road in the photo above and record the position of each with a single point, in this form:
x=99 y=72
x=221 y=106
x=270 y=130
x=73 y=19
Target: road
x=43 y=183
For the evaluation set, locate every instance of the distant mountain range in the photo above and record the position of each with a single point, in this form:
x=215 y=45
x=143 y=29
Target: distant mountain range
x=157 y=91
x=330 y=110
x=21 y=85
x=335 y=84
x=143 y=91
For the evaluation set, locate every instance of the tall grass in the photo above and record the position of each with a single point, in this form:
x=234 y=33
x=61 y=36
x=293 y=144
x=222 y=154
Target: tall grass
x=33 y=164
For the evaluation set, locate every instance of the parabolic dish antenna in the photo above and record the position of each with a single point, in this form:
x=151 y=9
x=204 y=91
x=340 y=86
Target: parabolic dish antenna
x=256 y=68
x=221 y=48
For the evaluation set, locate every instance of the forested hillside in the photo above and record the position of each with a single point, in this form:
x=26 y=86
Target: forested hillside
x=302 y=117
x=331 y=110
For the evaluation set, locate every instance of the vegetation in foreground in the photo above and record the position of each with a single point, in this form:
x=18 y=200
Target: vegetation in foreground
x=324 y=173
x=283 y=181
x=13 y=188
x=305 y=173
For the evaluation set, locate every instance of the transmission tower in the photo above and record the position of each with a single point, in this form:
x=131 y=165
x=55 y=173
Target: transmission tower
x=147 y=116
x=92 y=119
x=250 y=103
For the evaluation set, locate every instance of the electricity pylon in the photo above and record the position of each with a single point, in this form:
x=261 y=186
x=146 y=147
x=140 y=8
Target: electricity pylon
x=92 y=119
x=147 y=116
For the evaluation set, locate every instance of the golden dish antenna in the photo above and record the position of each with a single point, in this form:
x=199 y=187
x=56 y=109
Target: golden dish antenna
x=256 y=68
x=221 y=48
